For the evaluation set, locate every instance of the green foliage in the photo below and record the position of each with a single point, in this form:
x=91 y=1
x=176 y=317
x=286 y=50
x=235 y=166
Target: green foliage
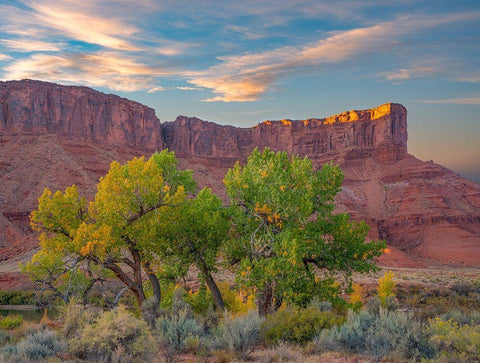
x=297 y=325
x=36 y=346
x=240 y=334
x=10 y=322
x=456 y=342
x=391 y=334
x=18 y=297
x=285 y=229
x=199 y=300
x=99 y=339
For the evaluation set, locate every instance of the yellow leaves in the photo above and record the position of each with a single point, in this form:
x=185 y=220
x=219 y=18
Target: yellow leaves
x=356 y=295
x=93 y=239
x=386 y=285
x=282 y=188
x=264 y=174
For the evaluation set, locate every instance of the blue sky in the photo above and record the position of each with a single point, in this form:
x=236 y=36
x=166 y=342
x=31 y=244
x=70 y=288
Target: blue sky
x=242 y=62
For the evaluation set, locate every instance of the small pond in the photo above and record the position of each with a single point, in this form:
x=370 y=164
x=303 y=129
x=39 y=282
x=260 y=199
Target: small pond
x=27 y=312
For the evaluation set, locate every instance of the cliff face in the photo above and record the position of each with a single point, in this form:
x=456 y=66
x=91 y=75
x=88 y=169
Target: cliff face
x=381 y=127
x=78 y=113
x=55 y=136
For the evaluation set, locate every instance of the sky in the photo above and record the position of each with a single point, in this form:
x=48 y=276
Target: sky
x=242 y=62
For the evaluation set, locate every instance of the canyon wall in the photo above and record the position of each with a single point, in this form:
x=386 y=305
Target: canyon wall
x=79 y=113
x=54 y=136
x=383 y=126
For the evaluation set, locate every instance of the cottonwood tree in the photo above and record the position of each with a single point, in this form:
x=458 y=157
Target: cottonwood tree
x=192 y=234
x=287 y=240
x=114 y=232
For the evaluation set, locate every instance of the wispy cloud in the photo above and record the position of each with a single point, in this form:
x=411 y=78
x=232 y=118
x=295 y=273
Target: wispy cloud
x=457 y=101
x=25 y=45
x=412 y=72
x=247 y=77
x=84 y=26
x=103 y=69
x=189 y=88
x=4 y=57
x=156 y=89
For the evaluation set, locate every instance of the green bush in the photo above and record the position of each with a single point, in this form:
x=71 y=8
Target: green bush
x=36 y=346
x=239 y=334
x=11 y=322
x=392 y=334
x=456 y=342
x=99 y=339
x=297 y=325
x=24 y=297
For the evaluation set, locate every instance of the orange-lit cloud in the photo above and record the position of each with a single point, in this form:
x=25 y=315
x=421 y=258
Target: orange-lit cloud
x=80 y=25
x=103 y=69
x=247 y=77
x=26 y=45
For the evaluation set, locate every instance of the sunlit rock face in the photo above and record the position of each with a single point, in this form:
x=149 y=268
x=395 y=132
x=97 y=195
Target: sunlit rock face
x=384 y=126
x=55 y=136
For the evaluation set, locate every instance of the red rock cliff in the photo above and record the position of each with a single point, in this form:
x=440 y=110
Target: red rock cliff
x=382 y=127
x=79 y=113
x=54 y=136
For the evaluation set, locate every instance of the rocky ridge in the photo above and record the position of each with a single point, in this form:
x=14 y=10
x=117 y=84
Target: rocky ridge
x=54 y=136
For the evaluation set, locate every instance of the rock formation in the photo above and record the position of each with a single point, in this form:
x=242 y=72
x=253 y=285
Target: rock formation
x=54 y=136
x=78 y=113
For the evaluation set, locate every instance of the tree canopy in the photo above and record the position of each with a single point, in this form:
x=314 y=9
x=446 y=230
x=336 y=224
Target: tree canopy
x=147 y=223
x=287 y=238
x=115 y=231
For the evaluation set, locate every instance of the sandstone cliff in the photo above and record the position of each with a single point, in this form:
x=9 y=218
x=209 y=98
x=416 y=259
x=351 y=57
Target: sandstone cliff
x=79 y=113
x=54 y=136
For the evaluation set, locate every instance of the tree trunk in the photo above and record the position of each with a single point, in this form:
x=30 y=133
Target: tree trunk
x=157 y=292
x=265 y=300
x=207 y=275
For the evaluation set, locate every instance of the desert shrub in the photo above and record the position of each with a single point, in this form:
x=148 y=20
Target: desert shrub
x=150 y=311
x=75 y=317
x=321 y=305
x=281 y=353
x=454 y=341
x=374 y=304
x=4 y=338
x=99 y=339
x=393 y=334
x=239 y=334
x=11 y=322
x=463 y=288
x=297 y=325
x=461 y=317
x=39 y=345
x=179 y=331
